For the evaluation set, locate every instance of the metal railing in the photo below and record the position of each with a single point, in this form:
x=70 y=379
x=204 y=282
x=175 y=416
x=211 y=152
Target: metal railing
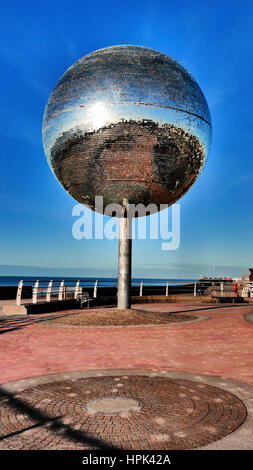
x=203 y=288
x=53 y=290
x=48 y=290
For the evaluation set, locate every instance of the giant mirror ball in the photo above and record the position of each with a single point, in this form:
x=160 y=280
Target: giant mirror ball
x=127 y=122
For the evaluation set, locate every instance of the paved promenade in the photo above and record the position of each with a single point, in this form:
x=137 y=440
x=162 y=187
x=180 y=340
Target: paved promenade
x=221 y=345
x=177 y=385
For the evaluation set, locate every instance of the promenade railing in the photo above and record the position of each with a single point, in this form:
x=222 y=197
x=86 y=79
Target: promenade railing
x=46 y=290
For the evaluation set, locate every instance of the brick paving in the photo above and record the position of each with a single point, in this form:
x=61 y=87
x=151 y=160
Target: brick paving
x=172 y=414
x=53 y=416
x=16 y=322
x=221 y=346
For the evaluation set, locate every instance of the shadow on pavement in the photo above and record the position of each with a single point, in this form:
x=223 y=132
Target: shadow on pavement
x=54 y=424
x=17 y=323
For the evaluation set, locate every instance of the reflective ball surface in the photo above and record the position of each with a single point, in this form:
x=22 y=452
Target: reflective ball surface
x=127 y=122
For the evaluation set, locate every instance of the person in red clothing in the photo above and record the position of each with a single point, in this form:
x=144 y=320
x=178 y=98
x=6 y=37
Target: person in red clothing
x=235 y=290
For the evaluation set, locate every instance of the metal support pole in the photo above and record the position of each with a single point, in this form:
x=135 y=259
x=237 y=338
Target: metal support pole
x=61 y=290
x=124 y=262
x=141 y=288
x=35 y=292
x=167 y=289
x=19 y=292
x=95 y=289
x=195 y=289
x=76 y=291
x=49 y=288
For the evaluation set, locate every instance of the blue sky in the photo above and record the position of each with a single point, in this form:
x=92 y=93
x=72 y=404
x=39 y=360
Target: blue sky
x=38 y=42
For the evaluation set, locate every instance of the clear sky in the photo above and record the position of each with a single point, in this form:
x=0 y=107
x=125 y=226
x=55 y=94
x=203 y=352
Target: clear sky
x=38 y=42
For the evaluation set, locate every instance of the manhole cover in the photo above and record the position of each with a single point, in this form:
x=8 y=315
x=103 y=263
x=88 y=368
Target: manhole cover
x=73 y=414
x=112 y=405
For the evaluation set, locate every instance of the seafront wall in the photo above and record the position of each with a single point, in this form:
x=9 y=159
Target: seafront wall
x=10 y=292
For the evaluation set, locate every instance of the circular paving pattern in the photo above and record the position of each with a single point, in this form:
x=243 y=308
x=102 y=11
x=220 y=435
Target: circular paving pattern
x=172 y=414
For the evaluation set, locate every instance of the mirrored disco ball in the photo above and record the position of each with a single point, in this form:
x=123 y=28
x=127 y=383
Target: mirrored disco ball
x=127 y=122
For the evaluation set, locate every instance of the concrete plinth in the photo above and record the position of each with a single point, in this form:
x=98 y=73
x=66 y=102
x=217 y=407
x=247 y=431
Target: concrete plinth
x=13 y=309
x=40 y=307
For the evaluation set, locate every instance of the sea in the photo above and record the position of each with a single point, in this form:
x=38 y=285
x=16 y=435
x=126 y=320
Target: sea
x=89 y=281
